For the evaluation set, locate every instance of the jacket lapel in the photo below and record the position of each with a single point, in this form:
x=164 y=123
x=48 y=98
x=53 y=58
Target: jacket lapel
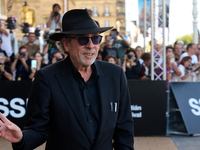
x=70 y=89
x=104 y=90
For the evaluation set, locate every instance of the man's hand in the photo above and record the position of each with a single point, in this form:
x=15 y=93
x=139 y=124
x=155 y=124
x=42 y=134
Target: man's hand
x=9 y=130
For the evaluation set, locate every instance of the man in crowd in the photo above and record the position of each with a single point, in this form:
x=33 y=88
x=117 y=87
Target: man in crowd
x=31 y=46
x=55 y=19
x=177 y=52
x=57 y=56
x=22 y=65
x=51 y=47
x=6 y=44
x=191 y=50
x=5 y=72
x=120 y=45
x=76 y=103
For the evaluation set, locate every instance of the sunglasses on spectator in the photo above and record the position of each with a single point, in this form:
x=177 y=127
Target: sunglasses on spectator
x=83 y=40
x=198 y=48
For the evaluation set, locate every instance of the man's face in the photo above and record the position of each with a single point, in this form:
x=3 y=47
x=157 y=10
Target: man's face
x=58 y=55
x=56 y=9
x=82 y=55
x=31 y=38
x=113 y=33
x=177 y=50
x=1 y=59
x=169 y=51
x=193 y=49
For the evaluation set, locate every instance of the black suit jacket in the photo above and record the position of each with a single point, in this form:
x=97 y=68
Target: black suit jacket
x=56 y=113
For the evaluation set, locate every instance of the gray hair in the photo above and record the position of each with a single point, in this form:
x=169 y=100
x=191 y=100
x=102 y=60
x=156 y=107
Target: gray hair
x=2 y=54
x=62 y=41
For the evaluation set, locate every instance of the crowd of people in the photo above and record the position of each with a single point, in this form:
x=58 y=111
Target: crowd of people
x=182 y=62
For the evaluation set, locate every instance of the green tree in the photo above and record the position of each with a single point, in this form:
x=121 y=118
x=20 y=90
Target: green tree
x=186 y=39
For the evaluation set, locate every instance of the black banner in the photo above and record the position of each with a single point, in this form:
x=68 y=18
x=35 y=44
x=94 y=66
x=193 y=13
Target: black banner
x=149 y=106
x=13 y=100
x=187 y=97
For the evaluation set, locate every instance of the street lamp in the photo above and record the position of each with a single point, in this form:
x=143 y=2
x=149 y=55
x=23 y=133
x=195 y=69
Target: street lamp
x=25 y=7
x=25 y=10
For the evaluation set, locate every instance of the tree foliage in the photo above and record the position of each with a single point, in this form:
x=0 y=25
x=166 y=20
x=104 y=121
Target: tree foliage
x=186 y=39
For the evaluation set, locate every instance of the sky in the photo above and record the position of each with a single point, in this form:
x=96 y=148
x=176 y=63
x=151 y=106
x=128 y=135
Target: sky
x=180 y=18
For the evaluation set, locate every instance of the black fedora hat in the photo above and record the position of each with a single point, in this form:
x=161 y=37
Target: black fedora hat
x=78 y=21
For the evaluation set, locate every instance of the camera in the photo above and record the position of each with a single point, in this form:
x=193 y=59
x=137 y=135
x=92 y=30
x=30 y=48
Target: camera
x=51 y=41
x=1 y=65
x=129 y=56
x=58 y=59
x=55 y=13
x=22 y=54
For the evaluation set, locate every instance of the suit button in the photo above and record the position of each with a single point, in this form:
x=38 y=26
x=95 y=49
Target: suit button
x=90 y=121
x=88 y=104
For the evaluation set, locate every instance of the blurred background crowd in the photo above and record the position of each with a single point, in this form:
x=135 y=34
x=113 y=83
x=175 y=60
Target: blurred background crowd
x=182 y=61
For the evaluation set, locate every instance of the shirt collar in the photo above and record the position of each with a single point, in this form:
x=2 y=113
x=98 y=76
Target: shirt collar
x=76 y=74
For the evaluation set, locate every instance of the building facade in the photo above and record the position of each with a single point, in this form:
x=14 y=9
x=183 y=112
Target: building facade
x=107 y=13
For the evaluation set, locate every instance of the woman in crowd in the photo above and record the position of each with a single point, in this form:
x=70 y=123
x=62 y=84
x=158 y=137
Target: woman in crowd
x=172 y=71
x=138 y=51
x=145 y=72
x=186 y=72
x=111 y=59
x=131 y=65
x=38 y=57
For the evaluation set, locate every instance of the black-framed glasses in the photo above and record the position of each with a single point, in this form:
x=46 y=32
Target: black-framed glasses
x=83 y=40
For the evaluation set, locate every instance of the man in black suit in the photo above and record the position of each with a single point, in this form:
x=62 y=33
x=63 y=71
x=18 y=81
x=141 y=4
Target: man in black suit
x=78 y=103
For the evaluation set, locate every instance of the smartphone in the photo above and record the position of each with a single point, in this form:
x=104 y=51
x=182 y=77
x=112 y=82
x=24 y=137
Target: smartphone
x=172 y=60
x=34 y=64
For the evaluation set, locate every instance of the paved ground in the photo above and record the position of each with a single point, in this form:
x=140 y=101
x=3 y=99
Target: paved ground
x=174 y=142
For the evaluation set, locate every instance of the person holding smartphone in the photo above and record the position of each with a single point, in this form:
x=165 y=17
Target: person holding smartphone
x=131 y=65
x=36 y=64
x=172 y=69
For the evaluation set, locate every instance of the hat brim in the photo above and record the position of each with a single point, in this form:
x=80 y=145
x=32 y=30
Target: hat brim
x=58 y=36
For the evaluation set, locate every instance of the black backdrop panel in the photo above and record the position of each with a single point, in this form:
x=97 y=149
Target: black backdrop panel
x=13 y=100
x=149 y=106
x=187 y=95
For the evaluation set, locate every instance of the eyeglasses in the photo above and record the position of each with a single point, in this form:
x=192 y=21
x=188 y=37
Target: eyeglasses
x=83 y=40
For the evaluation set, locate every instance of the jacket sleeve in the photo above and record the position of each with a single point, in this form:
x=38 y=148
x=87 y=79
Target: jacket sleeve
x=123 y=134
x=35 y=130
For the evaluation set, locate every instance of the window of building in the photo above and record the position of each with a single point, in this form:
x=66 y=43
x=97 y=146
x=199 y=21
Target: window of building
x=29 y=17
x=107 y=23
x=95 y=12
x=106 y=11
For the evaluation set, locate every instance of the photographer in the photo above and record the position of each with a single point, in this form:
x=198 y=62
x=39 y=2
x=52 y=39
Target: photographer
x=21 y=64
x=145 y=72
x=5 y=73
x=55 y=18
x=131 y=65
x=57 y=56
x=51 y=47
x=120 y=45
